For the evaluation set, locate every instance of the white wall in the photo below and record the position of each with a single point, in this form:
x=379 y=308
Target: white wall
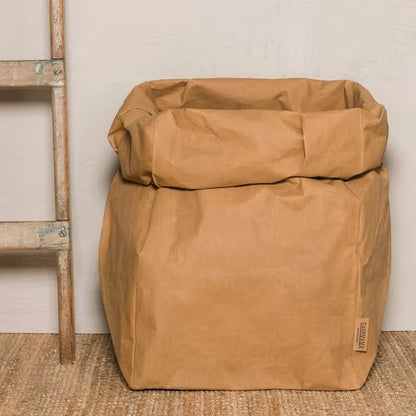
x=111 y=46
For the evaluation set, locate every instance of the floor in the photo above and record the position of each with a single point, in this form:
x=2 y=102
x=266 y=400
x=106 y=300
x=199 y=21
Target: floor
x=33 y=383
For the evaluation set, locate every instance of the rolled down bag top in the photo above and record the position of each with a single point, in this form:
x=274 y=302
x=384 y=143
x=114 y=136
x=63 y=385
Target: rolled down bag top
x=246 y=238
x=208 y=133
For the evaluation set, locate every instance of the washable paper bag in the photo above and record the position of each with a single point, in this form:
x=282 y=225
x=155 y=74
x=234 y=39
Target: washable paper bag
x=246 y=235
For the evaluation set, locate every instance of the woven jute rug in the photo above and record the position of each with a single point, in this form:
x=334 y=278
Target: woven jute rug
x=32 y=382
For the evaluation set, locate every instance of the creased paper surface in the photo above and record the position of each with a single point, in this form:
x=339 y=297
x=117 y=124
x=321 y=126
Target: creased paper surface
x=246 y=231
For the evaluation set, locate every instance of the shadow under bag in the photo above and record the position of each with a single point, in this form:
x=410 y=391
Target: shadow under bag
x=246 y=237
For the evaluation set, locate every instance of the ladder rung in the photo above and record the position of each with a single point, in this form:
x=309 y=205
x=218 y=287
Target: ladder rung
x=23 y=235
x=45 y=73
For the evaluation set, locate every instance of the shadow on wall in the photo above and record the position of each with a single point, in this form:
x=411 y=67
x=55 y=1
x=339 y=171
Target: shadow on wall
x=110 y=171
x=11 y=96
x=27 y=258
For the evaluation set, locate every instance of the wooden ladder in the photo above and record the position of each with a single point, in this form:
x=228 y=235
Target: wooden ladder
x=48 y=235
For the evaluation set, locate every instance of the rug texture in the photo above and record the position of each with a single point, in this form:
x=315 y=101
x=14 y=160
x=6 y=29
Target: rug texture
x=32 y=382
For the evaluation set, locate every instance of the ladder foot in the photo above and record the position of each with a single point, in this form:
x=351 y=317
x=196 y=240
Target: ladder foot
x=66 y=322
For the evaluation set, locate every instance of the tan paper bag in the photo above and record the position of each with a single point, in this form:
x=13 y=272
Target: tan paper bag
x=246 y=237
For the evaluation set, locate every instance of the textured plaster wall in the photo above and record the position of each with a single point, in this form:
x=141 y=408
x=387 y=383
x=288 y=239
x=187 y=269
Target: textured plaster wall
x=111 y=46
